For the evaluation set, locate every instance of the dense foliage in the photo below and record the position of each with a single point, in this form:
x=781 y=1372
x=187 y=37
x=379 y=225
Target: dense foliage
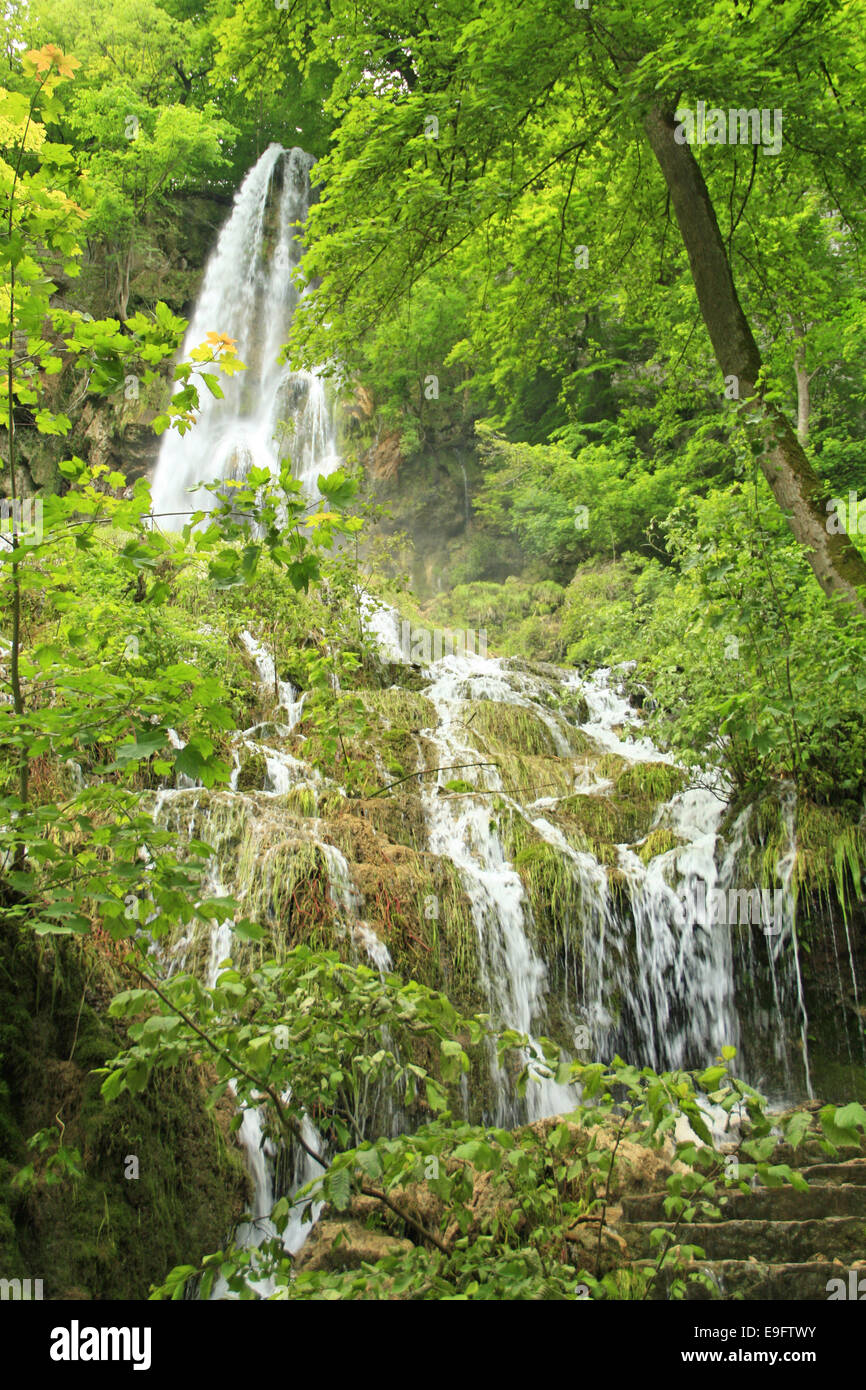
x=494 y=266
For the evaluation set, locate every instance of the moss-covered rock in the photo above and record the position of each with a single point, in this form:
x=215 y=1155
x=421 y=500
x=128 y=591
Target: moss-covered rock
x=830 y=850
x=400 y=816
x=109 y=1234
x=555 y=898
x=397 y=708
x=660 y=841
x=252 y=770
x=649 y=782
x=602 y=821
x=519 y=730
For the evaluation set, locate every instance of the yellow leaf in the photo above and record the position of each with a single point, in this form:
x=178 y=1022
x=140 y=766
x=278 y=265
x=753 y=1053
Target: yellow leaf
x=222 y=342
x=42 y=58
x=67 y=64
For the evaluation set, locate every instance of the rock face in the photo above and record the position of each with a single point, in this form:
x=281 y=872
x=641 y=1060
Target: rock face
x=502 y=831
x=503 y=812
x=124 y=446
x=103 y=436
x=116 y=430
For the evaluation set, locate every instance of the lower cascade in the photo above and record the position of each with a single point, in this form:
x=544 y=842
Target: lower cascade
x=541 y=834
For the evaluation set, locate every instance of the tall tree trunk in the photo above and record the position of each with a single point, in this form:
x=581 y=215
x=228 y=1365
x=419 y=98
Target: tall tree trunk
x=124 y=267
x=804 y=402
x=839 y=567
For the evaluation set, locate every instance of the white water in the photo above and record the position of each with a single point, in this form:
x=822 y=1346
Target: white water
x=657 y=978
x=349 y=904
x=678 y=1004
x=261 y=1156
x=681 y=1002
x=461 y=831
x=284 y=694
x=268 y=412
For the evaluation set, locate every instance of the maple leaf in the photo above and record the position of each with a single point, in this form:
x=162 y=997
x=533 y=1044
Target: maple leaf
x=50 y=55
x=66 y=65
x=222 y=340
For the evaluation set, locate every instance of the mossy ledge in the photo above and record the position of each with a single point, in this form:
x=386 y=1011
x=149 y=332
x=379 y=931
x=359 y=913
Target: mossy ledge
x=104 y=1236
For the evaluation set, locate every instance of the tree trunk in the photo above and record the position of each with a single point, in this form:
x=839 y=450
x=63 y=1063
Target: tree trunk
x=123 y=272
x=804 y=403
x=839 y=567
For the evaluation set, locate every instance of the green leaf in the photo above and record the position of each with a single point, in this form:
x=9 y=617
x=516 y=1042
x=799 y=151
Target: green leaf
x=838 y=1136
x=797 y=1128
x=847 y=1116
x=144 y=747
x=112 y=1085
x=338 y=487
x=212 y=384
x=436 y=1097
x=369 y=1162
x=338 y=1185
x=247 y=930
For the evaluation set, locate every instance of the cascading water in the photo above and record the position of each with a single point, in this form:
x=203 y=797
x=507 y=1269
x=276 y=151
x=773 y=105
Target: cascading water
x=660 y=978
x=655 y=978
x=268 y=412
x=515 y=977
x=647 y=972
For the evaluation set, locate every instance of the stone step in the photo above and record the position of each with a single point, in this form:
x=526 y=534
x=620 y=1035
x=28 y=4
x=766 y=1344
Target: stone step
x=806 y=1281
x=852 y=1170
x=777 y=1242
x=811 y=1151
x=764 y=1203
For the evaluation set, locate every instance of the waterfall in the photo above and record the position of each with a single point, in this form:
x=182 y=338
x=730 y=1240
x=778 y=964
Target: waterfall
x=515 y=977
x=660 y=979
x=653 y=976
x=642 y=967
x=268 y=412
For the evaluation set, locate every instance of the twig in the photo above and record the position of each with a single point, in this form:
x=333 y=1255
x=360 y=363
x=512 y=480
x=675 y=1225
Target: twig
x=606 y=1199
x=449 y=767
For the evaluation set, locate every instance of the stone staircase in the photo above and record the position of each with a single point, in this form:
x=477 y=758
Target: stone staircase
x=770 y=1243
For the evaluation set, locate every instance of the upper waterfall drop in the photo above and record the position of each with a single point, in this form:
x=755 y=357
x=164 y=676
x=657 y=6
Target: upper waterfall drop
x=268 y=411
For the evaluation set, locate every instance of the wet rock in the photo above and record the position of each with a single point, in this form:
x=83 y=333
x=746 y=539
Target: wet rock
x=347 y=1244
